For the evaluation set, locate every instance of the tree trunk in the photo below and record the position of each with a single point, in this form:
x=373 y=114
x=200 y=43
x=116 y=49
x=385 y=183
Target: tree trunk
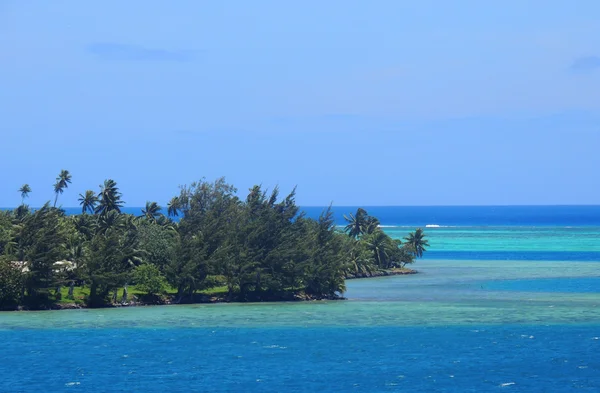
x=180 y=293
x=22 y=293
x=71 y=289
x=93 y=292
x=229 y=291
x=124 y=298
x=257 y=288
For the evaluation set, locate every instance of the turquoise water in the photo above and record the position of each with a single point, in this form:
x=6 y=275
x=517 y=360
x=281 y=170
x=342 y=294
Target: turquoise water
x=565 y=285
x=525 y=323
x=562 y=243
x=446 y=329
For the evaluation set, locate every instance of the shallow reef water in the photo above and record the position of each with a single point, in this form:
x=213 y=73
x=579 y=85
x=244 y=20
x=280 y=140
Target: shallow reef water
x=527 y=324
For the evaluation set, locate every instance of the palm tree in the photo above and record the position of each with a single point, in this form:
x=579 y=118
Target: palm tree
x=152 y=211
x=24 y=190
x=109 y=198
x=359 y=260
x=416 y=240
x=88 y=201
x=111 y=220
x=371 y=225
x=356 y=223
x=380 y=245
x=173 y=207
x=85 y=225
x=62 y=181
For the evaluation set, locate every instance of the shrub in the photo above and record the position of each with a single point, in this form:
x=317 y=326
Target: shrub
x=11 y=283
x=149 y=279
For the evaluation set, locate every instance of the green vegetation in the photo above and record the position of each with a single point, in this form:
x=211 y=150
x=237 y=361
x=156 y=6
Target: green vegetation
x=259 y=248
x=149 y=279
x=369 y=249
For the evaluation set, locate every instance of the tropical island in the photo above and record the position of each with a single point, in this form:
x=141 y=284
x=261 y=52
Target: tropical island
x=211 y=246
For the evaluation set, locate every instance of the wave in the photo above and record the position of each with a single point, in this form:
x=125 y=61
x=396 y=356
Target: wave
x=429 y=226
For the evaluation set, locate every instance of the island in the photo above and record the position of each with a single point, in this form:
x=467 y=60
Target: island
x=210 y=246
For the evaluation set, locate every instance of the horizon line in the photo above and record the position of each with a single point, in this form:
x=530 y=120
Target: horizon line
x=370 y=206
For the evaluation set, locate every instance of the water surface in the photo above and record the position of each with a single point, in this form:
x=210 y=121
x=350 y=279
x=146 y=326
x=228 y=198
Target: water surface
x=509 y=301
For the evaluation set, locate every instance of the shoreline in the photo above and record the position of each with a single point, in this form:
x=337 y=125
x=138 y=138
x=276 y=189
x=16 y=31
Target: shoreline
x=208 y=299
x=385 y=273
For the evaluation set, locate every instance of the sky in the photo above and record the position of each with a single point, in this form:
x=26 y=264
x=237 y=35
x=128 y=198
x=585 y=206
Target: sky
x=380 y=102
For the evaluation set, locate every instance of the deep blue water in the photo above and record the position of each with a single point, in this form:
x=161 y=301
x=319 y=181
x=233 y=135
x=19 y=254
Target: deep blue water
x=417 y=359
x=458 y=215
x=42 y=352
x=475 y=215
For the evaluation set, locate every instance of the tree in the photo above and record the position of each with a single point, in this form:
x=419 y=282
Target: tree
x=24 y=190
x=151 y=211
x=404 y=254
x=359 y=261
x=325 y=268
x=112 y=255
x=356 y=223
x=261 y=247
x=109 y=198
x=173 y=207
x=62 y=182
x=159 y=243
x=43 y=243
x=371 y=225
x=6 y=233
x=110 y=220
x=380 y=245
x=103 y=266
x=88 y=202
x=149 y=279
x=11 y=283
x=416 y=240
x=189 y=267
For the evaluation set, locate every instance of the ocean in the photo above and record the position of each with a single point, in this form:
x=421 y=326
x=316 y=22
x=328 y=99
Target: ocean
x=448 y=216
x=507 y=299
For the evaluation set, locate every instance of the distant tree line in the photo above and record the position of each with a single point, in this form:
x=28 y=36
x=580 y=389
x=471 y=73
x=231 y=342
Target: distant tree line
x=258 y=248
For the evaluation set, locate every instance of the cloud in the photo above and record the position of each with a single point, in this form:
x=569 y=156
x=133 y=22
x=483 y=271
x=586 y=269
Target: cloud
x=586 y=64
x=125 y=52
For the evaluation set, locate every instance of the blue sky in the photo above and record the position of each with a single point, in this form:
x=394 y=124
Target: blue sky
x=382 y=102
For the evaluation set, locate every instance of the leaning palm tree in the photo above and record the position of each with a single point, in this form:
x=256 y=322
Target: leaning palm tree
x=380 y=245
x=88 y=202
x=62 y=182
x=109 y=198
x=371 y=225
x=152 y=211
x=356 y=223
x=359 y=260
x=24 y=190
x=416 y=240
x=173 y=207
x=111 y=220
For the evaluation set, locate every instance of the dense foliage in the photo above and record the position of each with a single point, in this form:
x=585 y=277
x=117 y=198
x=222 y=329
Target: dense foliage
x=258 y=248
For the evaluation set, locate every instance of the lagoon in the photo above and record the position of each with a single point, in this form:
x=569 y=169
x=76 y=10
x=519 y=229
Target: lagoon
x=446 y=329
x=493 y=308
